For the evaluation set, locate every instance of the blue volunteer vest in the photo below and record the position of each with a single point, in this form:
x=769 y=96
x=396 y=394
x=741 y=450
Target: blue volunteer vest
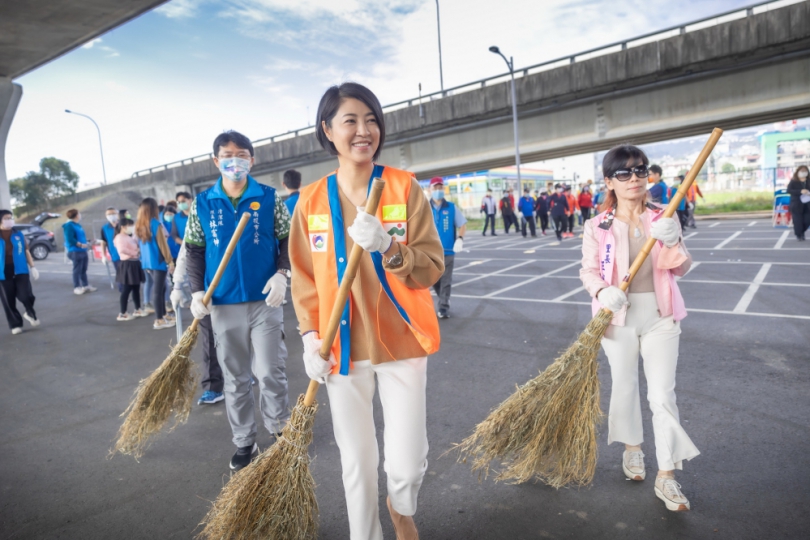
x=180 y=220
x=18 y=255
x=291 y=201
x=174 y=247
x=445 y=219
x=151 y=257
x=80 y=236
x=255 y=258
x=108 y=233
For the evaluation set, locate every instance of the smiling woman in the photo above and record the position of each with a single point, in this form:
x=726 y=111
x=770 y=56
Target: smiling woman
x=389 y=325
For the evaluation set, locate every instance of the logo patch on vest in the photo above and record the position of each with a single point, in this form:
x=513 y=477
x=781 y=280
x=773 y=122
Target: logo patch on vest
x=395 y=221
x=318 y=222
x=255 y=205
x=317 y=241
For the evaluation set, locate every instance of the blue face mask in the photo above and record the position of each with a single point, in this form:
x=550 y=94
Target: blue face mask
x=437 y=195
x=168 y=217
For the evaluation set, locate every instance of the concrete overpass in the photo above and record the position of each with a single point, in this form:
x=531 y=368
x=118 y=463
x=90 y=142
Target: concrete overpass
x=747 y=71
x=34 y=32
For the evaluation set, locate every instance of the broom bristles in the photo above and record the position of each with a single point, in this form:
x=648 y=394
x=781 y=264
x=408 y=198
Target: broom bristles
x=169 y=389
x=547 y=428
x=273 y=497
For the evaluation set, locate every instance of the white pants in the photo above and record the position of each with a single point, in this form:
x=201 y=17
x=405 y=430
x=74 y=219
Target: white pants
x=402 y=393
x=657 y=339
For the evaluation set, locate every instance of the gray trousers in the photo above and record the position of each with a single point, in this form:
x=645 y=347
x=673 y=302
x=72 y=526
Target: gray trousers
x=249 y=340
x=442 y=287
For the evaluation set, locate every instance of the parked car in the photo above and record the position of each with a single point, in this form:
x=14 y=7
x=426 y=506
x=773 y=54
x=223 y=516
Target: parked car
x=40 y=242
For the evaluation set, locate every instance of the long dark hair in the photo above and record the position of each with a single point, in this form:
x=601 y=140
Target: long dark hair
x=617 y=158
x=147 y=211
x=796 y=174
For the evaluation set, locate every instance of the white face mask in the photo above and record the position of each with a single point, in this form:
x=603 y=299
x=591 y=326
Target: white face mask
x=131 y=230
x=8 y=223
x=112 y=218
x=802 y=174
x=234 y=169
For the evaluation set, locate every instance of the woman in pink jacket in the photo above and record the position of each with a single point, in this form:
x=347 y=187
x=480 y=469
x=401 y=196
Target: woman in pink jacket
x=647 y=319
x=129 y=273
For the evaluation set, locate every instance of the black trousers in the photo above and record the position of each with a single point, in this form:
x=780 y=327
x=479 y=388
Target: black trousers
x=543 y=217
x=508 y=221
x=212 y=373
x=800 y=214
x=586 y=214
x=571 y=221
x=490 y=221
x=530 y=220
x=159 y=292
x=559 y=225
x=682 y=217
x=126 y=292
x=13 y=288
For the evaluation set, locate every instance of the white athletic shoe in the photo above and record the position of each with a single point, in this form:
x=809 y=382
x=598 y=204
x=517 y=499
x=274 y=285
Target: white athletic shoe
x=78 y=290
x=633 y=465
x=29 y=318
x=17 y=330
x=669 y=491
x=165 y=323
x=90 y=288
x=124 y=317
x=139 y=313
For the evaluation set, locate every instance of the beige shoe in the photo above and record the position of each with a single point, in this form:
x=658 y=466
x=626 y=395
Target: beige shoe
x=669 y=491
x=403 y=525
x=633 y=465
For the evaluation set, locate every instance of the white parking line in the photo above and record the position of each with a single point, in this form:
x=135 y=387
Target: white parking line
x=569 y=294
x=752 y=223
x=781 y=241
x=690 y=235
x=535 y=278
x=525 y=262
x=473 y=263
x=745 y=301
x=727 y=240
x=714 y=224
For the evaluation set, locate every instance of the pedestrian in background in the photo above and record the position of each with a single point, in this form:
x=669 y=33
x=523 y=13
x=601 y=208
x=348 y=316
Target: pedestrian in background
x=558 y=206
x=681 y=210
x=17 y=273
x=573 y=208
x=507 y=207
x=77 y=246
x=799 y=190
x=526 y=206
x=178 y=228
x=107 y=237
x=156 y=258
x=292 y=184
x=488 y=209
x=541 y=206
x=452 y=226
x=659 y=191
x=646 y=320
x=691 y=202
x=585 y=203
x=129 y=272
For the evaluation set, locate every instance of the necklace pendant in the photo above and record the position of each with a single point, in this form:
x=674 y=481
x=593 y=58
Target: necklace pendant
x=637 y=233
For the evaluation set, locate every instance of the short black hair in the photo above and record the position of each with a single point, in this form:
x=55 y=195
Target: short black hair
x=656 y=169
x=4 y=213
x=232 y=137
x=292 y=179
x=330 y=103
x=114 y=209
x=185 y=194
x=620 y=156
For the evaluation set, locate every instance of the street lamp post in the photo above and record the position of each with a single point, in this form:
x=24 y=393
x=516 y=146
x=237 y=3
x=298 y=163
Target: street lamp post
x=439 y=27
x=511 y=64
x=100 y=148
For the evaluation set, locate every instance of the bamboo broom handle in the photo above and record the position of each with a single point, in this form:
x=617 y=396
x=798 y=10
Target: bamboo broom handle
x=223 y=264
x=343 y=293
x=673 y=204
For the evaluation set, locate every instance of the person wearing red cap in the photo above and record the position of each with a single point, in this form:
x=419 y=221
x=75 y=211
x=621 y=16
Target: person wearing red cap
x=452 y=225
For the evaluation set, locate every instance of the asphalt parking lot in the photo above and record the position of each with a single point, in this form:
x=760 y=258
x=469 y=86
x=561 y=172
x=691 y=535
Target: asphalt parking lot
x=742 y=391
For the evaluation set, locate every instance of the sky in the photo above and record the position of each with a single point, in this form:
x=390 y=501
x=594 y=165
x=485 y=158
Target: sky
x=162 y=86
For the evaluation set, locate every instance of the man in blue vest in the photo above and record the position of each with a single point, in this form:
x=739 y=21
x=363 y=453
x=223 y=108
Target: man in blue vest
x=107 y=236
x=247 y=321
x=292 y=183
x=659 y=192
x=15 y=283
x=178 y=229
x=451 y=225
x=76 y=246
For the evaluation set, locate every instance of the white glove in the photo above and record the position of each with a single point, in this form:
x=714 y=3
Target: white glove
x=277 y=287
x=368 y=232
x=177 y=298
x=612 y=298
x=34 y=273
x=458 y=245
x=317 y=369
x=198 y=308
x=666 y=230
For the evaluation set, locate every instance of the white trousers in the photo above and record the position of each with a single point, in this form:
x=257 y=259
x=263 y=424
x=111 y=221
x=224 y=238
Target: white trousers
x=657 y=339
x=402 y=393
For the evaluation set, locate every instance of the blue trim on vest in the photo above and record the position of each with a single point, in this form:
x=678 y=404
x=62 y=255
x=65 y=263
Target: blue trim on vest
x=339 y=241
x=19 y=261
x=447 y=234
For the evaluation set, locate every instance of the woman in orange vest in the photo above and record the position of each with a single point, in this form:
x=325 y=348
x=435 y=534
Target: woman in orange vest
x=388 y=326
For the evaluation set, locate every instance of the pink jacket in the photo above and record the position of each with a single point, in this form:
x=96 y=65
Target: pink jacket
x=606 y=261
x=127 y=247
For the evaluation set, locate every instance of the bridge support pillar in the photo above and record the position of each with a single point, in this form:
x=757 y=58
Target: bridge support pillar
x=10 y=95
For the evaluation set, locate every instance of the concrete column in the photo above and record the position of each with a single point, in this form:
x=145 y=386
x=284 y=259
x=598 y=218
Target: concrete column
x=10 y=95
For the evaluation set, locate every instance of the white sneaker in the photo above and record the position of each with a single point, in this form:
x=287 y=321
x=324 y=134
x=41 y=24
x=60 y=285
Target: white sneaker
x=160 y=325
x=139 y=313
x=29 y=318
x=78 y=290
x=124 y=317
x=669 y=491
x=90 y=288
x=17 y=330
x=148 y=309
x=633 y=465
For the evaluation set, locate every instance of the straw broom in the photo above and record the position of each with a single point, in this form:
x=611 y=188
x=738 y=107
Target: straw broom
x=547 y=428
x=170 y=388
x=274 y=497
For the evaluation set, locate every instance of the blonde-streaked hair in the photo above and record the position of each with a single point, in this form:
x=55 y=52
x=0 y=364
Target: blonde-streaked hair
x=147 y=211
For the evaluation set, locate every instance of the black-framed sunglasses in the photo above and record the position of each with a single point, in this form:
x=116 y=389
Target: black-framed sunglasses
x=623 y=175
